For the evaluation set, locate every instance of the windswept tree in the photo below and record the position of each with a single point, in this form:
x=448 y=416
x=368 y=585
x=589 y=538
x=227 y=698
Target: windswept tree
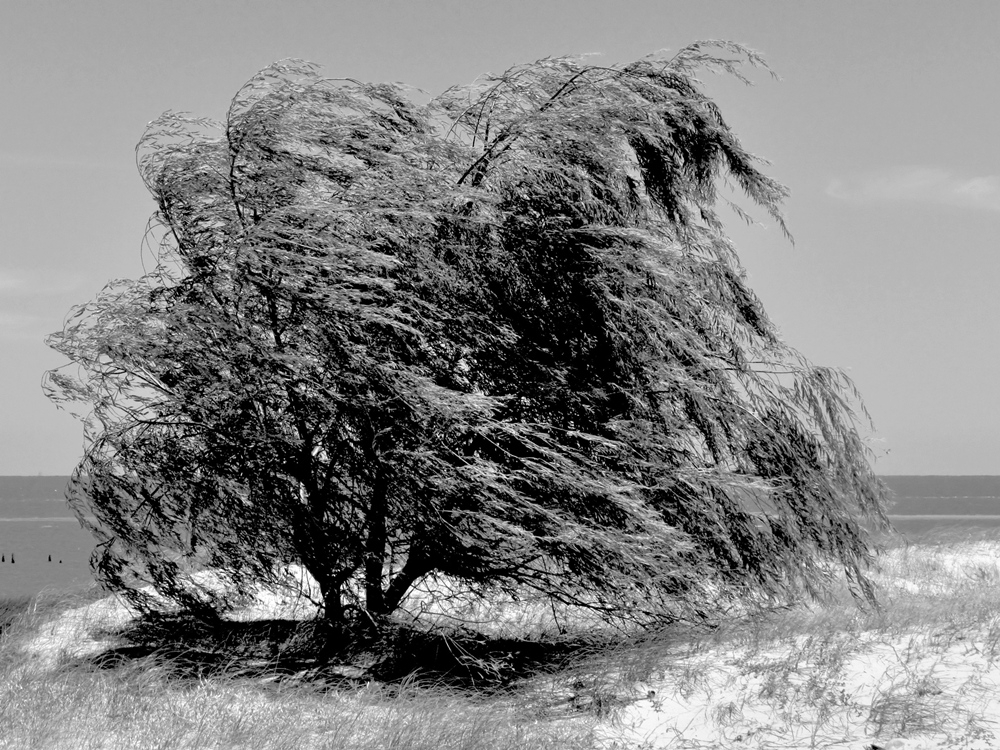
x=500 y=336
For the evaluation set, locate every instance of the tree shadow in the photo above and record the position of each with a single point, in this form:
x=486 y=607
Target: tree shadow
x=303 y=651
x=471 y=660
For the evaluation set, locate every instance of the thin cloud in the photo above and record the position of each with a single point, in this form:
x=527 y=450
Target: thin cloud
x=9 y=281
x=919 y=185
x=15 y=284
x=19 y=327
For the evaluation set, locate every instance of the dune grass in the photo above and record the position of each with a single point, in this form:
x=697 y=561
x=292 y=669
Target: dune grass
x=925 y=666
x=216 y=687
x=143 y=704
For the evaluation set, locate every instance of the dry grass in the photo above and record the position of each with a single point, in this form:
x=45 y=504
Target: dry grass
x=144 y=705
x=925 y=667
x=57 y=691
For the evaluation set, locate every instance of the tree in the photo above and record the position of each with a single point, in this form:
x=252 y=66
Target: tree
x=501 y=336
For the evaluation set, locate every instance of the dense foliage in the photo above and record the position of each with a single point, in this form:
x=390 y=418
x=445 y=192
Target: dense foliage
x=500 y=336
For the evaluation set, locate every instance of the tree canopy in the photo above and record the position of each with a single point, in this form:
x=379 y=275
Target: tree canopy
x=500 y=336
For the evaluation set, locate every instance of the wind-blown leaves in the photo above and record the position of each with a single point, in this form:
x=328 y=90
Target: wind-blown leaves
x=500 y=336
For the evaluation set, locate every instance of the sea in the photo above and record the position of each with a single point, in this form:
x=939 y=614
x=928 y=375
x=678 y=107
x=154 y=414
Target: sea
x=43 y=546
x=922 y=504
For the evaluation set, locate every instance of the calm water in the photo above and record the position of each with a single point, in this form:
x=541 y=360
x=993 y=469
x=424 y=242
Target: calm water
x=35 y=523
x=934 y=503
x=26 y=545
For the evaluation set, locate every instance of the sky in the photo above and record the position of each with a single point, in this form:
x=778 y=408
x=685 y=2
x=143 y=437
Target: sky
x=883 y=126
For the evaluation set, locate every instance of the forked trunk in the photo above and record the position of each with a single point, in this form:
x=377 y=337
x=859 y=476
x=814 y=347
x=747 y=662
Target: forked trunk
x=416 y=567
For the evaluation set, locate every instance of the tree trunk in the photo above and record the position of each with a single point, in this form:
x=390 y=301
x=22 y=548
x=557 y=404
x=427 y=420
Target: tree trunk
x=333 y=605
x=375 y=549
x=333 y=627
x=415 y=567
x=309 y=538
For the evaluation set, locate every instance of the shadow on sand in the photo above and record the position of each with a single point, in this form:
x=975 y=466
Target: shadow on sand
x=188 y=647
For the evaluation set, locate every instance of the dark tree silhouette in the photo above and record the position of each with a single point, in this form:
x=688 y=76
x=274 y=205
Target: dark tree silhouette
x=500 y=336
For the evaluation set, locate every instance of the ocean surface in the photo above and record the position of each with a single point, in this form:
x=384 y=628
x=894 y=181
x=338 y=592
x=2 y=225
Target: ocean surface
x=36 y=524
x=42 y=545
x=932 y=503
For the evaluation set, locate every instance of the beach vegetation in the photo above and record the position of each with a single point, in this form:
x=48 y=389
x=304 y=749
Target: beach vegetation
x=496 y=342
x=920 y=671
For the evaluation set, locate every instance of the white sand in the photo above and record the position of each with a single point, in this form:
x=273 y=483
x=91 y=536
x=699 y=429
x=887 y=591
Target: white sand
x=78 y=632
x=922 y=688
x=87 y=630
x=755 y=702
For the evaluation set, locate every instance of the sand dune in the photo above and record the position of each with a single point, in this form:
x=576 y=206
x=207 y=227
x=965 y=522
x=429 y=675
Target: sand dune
x=922 y=673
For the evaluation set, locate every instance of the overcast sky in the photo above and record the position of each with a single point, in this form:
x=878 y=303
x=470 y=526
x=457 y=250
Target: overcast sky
x=884 y=126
